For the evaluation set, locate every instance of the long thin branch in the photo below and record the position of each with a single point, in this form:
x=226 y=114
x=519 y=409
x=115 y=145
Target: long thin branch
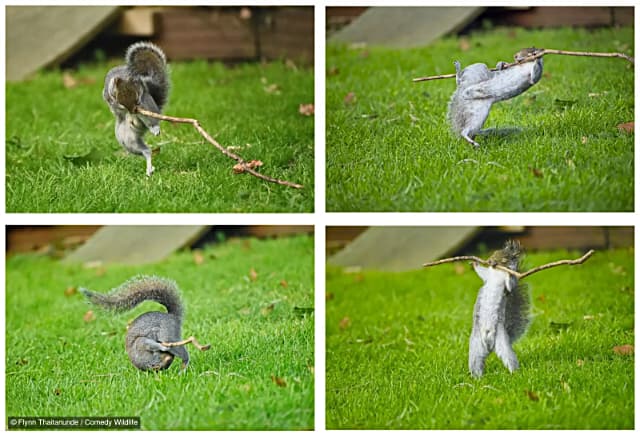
x=196 y=124
x=540 y=54
x=518 y=275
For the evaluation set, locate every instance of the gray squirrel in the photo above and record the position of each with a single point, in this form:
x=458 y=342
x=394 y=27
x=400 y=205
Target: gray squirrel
x=154 y=338
x=501 y=312
x=143 y=81
x=477 y=88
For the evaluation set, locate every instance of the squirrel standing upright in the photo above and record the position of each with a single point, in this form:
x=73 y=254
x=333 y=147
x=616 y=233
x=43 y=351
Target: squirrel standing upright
x=143 y=81
x=477 y=88
x=154 y=338
x=501 y=312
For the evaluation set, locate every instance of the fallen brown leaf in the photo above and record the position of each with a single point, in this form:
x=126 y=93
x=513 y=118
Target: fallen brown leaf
x=306 y=109
x=625 y=349
x=345 y=323
x=280 y=382
x=541 y=298
x=89 y=316
x=68 y=81
x=626 y=127
x=242 y=166
x=350 y=98
x=333 y=71
x=536 y=172
x=253 y=275
x=534 y=397
x=198 y=257
x=284 y=284
x=328 y=296
x=70 y=291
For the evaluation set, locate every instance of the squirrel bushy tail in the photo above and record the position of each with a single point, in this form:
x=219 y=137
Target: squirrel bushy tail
x=148 y=62
x=135 y=291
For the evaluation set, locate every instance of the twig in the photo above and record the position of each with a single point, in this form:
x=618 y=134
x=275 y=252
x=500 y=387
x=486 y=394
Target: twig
x=518 y=275
x=244 y=165
x=540 y=54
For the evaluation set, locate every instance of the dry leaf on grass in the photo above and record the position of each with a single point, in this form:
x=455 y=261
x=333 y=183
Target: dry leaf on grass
x=350 y=98
x=284 y=284
x=89 y=316
x=532 y=396
x=626 y=127
x=253 y=164
x=70 y=291
x=345 y=323
x=253 y=275
x=625 y=349
x=198 y=257
x=280 y=382
x=306 y=109
x=536 y=172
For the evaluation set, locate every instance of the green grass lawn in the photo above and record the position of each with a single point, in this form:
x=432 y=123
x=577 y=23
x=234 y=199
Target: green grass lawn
x=389 y=147
x=62 y=155
x=59 y=365
x=397 y=347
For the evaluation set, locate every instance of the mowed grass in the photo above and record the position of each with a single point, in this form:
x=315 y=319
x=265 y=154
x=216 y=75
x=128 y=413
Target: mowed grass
x=389 y=147
x=258 y=373
x=397 y=347
x=62 y=155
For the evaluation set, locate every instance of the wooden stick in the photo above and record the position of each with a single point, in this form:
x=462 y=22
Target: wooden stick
x=540 y=54
x=191 y=339
x=518 y=275
x=241 y=162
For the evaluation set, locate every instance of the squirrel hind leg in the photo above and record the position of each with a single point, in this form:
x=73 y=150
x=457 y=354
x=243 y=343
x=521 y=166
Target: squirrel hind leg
x=466 y=136
x=147 y=156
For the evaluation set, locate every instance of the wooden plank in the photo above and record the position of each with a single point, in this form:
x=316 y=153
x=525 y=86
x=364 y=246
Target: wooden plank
x=34 y=238
x=205 y=33
x=42 y=36
x=401 y=248
x=287 y=32
x=135 y=244
x=403 y=27
x=556 y=16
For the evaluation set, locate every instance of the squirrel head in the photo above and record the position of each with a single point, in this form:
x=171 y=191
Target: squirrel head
x=522 y=54
x=126 y=93
x=509 y=256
